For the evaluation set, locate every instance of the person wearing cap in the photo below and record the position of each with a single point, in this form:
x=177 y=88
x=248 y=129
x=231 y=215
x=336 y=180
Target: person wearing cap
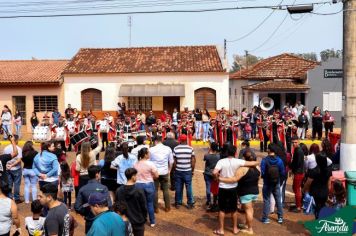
x=184 y=164
x=106 y=222
x=93 y=185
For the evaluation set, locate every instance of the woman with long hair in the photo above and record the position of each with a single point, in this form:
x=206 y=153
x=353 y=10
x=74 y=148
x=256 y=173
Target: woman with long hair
x=206 y=125
x=317 y=123
x=318 y=183
x=45 y=165
x=247 y=177
x=6 y=121
x=146 y=173
x=30 y=178
x=122 y=162
x=109 y=175
x=86 y=158
x=18 y=123
x=34 y=120
x=8 y=213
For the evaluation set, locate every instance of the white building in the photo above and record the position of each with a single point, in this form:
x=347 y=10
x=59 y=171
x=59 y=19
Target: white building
x=147 y=78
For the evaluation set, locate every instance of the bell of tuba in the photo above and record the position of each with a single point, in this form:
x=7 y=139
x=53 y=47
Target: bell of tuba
x=266 y=103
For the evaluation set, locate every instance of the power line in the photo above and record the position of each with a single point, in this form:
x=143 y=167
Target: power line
x=280 y=7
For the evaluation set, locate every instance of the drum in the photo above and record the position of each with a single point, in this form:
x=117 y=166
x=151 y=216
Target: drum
x=94 y=141
x=79 y=138
x=71 y=127
x=129 y=139
x=41 y=134
x=142 y=133
x=60 y=134
x=103 y=126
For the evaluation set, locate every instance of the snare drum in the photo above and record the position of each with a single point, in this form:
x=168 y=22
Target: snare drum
x=71 y=127
x=41 y=134
x=79 y=138
x=142 y=133
x=60 y=134
x=103 y=126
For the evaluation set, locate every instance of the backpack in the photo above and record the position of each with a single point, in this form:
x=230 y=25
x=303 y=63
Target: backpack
x=272 y=172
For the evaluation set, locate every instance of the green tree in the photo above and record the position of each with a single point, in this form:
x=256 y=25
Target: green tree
x=240 y=62
x=330 y=53
x=308 y=56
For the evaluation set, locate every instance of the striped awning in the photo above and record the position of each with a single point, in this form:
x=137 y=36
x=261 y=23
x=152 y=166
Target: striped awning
x=152 y=90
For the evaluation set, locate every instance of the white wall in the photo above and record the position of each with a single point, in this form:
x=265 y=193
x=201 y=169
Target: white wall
x=110 y=86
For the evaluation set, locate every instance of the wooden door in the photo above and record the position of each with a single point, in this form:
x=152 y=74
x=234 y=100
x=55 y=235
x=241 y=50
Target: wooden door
x=91 y=100
x=205 y=98
x=169 y=103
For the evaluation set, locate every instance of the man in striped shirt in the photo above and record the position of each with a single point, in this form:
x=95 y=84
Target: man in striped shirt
x=184 y=164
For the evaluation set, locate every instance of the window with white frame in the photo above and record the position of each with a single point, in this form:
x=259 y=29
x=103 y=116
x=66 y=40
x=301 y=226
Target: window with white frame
x=332 y=101
x=140 y=103
x=45 y=103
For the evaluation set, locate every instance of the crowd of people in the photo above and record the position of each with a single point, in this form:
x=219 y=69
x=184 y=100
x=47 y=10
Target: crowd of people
x=118 y=194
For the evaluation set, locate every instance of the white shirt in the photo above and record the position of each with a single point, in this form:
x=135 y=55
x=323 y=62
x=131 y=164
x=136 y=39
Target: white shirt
x=34 y=225
x=8 y=150
x=227 y=168
x=6 y=118
x=161 y=156
x=310 y=162
x=138 y=148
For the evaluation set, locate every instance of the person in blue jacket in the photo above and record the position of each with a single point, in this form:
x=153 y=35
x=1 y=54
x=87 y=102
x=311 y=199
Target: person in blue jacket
x=45 y=165
x=272 y=172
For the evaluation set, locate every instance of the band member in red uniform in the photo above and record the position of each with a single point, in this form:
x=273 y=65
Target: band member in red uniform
x=263 y=126
x=214 y=130
x=329 y=122
x=235 y=131
x=277 y=129
x=290 y=131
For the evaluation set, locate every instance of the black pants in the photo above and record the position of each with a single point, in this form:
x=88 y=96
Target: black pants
x=319 y=203
x=76 y=189
x=317 y=130
x=263 y=145
x=138 y=230
x=172 y=180
x=328 y=128
x=67 y=199
x=105 y=140
x=83 y=180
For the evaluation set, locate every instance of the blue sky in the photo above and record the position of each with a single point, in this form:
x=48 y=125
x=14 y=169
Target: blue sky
x=61 y=38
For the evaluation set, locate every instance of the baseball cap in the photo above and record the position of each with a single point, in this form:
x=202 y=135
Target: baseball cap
x=183 y=138
x=97 y=198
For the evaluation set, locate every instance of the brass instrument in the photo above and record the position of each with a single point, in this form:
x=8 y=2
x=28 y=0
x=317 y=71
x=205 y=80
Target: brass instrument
x=266 y=103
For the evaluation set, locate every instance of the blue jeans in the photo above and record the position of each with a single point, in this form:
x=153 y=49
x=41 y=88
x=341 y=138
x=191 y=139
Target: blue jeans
x=205 y=131
x=30 y=183
x=7 y=128
x=183 y=178
x=198 y=129
x=208 y=180
x=253 y=132
x=149 y=189
x=18 y=130
x=266 y=192
x=14 y=179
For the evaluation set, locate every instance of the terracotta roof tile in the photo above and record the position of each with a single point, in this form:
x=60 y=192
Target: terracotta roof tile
x=146 y=60
x=284 y=66
x=31 y=71
x=281 y=85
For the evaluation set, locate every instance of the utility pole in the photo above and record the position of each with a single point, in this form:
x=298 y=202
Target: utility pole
x=348 y=122
x=246 y=55
x=129 y=24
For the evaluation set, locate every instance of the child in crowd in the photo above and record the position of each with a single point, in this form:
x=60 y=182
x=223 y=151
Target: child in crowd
x=75 y=176
x=121 y=209
x=66 y=183
x=35 y=223
x=337 y=198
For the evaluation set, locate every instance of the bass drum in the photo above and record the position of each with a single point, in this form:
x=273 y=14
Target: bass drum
x=60 y=134
x=41 y=134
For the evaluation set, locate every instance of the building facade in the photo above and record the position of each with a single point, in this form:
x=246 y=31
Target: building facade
x=31 y=86
x=149 y=78
x=282 y=78
x=325 y=83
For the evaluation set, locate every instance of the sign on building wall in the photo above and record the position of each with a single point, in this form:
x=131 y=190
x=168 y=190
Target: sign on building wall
x=332 y=101
x=333 y=73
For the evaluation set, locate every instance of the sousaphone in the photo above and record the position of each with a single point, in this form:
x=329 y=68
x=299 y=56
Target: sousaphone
x=266 y=103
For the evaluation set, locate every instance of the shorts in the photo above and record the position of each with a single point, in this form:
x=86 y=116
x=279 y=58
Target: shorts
x=227 y=200
x=248 y=198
